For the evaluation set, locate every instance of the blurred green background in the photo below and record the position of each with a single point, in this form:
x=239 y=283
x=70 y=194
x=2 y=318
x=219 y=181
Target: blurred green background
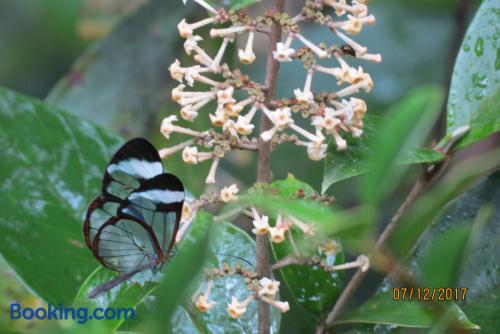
x=41 y=41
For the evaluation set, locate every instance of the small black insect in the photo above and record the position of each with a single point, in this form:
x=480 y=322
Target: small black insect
x=348 y=50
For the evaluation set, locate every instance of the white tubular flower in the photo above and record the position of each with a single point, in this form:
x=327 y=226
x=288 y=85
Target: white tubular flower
x=234 y=109
x=204 y=4
x=191 y=43
x=268 y=287
x=187 y=212
x=318 y=139
x=190 y=155
x=167 y=128
x=176 y=71
x=284 y=52
x=188 y=113
x=316 y=152
x=330 y=248
x=329 y=121
x=202 y=303
x=186 y=29
x=339 y=141
x=362 y=262
x=341 y=7
x=282 y=117
x=306 y=228
x=215 y=65
x=365 y=262
x=243 y=126
x=228 y=31
x=376 y=58
x=225 y=96
x=177 y=92
x=247 y=56
x=229 y=194
x=358 y=106
x=229 y=127
x=213 y=170
x=277 y=234
x=188 y=98
x=314 y=48
x=260 y=223
x=360 y=50
x=353 y=25
x=191 y=74
x=166 y=152
x=237 y=309
x=283 y=307
x=305 y=96
x=219 y=118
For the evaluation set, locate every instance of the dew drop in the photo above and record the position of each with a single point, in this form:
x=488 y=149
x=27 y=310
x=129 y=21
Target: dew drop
x=479 y=49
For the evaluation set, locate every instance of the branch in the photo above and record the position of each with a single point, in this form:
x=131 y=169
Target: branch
x=430 y=174
x=263 y=165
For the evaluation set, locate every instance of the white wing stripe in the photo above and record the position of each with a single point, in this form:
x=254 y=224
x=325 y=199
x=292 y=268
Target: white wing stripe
x=138 y=168
x=160 y=196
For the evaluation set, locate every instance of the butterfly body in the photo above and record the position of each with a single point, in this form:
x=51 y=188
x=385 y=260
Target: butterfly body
x=131 y=226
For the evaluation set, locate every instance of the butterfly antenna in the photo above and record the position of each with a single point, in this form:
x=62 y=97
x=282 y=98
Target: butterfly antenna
x=236 y=257
x=174 y=252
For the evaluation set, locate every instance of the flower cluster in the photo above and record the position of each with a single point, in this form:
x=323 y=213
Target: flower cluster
x=231 y=100
x=233 y=103
x=264 y=289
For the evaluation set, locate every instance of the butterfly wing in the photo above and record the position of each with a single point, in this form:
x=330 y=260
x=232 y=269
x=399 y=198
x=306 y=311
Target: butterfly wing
x=136 y=161
x=143 y=232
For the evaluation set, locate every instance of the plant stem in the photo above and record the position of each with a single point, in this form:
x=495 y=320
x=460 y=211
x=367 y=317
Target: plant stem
x=263 y=165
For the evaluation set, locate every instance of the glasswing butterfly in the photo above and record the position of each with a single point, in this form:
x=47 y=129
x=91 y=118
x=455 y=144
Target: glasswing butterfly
x=131 y=226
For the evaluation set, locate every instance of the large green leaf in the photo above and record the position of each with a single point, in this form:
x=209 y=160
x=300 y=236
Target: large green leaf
x=485 y=121
x=479 y=268
x=382 y=309
x=312 y=287
x=341 y=165
x=407 y=125
x=475 y=77
x=484 y=311
x=51 y=168
x=122 y=82
x=425 y=210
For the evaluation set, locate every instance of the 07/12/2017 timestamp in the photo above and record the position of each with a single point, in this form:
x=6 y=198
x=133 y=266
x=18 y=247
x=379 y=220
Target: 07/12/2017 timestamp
x=429 y=294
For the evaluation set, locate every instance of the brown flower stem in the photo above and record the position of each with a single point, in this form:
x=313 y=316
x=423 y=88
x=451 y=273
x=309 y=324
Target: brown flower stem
x=263 y=165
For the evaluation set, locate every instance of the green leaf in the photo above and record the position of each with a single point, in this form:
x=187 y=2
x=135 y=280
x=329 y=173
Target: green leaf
x=341 y=165
x=382 y=309
x=179 y=273
x=312 y=287
x=51 y=168
x=425 y=210
x=234 y=4
x=479 y=271
x=122 y=82
x=126 y=295
x=485 y=121
x=475 y=76
x=441 y=265
x=484 y=311
x=407 y=125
